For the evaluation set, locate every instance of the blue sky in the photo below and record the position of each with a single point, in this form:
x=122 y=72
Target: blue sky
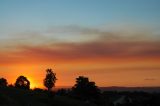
x=40 y=13
x=20 y=16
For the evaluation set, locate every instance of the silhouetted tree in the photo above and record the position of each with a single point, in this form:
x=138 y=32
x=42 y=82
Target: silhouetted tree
x=50 y=79
x=22 y=82
x=3 y=82
x=85 y=89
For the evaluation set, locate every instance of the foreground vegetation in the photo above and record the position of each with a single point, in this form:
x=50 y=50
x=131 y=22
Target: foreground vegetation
x=20 y=97
x=11 y=96
x=83 y=93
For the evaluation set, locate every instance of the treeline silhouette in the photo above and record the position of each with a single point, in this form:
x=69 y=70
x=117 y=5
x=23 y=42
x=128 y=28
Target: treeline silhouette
x=83 y=90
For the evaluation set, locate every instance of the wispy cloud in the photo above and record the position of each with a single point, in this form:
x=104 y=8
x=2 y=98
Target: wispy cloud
x=150 y=79
x=101 y=44
x=83 y=51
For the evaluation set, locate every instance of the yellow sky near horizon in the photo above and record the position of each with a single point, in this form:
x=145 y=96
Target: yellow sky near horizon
x=142 y=73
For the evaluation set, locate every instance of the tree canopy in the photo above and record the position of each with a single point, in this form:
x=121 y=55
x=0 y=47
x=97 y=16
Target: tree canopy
x=22 y=82
x=50 y=79
x=3 y=82
x=85 y=89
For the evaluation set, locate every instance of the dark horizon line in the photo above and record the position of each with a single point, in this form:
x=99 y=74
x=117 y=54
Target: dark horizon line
x=116 y=86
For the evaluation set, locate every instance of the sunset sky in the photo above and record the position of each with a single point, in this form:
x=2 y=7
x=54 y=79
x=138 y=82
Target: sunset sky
x=113 y=42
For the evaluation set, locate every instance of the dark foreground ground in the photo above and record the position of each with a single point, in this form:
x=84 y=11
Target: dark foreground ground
x=20 y=97
x=10 y=96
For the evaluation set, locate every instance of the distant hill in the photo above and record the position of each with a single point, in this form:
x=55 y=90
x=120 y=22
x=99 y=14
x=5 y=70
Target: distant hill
x=145 y=89
x=118 y=88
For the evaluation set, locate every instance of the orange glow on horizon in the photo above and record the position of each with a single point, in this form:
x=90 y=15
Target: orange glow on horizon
x=107 y=74
x=106 y=69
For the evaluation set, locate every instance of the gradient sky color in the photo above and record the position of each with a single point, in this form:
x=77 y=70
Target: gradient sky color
x=113 y=42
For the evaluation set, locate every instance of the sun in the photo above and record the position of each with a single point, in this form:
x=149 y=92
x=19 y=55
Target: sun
x=33 y=84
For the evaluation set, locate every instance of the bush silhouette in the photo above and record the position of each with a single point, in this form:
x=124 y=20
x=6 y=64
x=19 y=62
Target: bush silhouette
x=22 y=82
x=62 y=92
x=85 y=89
x=3 y=82
x=50 y=79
